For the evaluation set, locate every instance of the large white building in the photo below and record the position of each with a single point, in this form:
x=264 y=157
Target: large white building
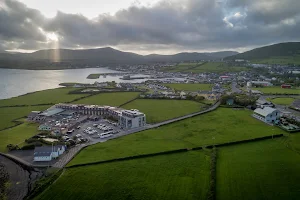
x=132 y=119
x=267 y=114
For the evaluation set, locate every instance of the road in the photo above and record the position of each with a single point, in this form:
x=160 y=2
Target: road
x=234 y=88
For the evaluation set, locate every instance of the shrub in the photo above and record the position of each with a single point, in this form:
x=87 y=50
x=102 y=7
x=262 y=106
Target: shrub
x=28 y=146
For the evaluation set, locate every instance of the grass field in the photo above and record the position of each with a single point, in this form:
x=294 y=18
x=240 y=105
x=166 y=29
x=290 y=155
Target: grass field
x=162 y=110
x=111 y=99
x=220 y=126
x=17 y=134
x=282 y=101
x=259 y=170
x=278 y=90
x=12 y=113
x=93 y=76
x=279 y=60
x=175 y=176
x=189 y=86
x=43 y=97
x=216 y=67
x=181 y=67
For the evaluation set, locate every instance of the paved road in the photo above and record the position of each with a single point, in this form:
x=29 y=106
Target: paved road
x=67 y=157
x=234 y=88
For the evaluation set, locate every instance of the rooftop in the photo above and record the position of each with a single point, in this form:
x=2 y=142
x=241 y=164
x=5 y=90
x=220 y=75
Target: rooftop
x=265 y=111
x=51 y=111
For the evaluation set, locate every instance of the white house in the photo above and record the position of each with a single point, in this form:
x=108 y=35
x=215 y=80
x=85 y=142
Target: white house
x=260 y=103
x=47 y=153
x=132 y=119
x=267 y=114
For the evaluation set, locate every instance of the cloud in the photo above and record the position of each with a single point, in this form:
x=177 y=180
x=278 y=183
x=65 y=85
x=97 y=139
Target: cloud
x=179 y=25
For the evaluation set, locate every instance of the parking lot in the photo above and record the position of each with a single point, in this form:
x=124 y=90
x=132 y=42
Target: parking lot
x=90 y=131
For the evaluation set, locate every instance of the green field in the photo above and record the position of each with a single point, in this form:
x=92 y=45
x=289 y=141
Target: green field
x=17 y=135
x=259 y=170
x=93 y=76
x=111 y=99
x=279 y=60
x=189 y=86
x=175 y=176
x=58 y=95
x=12 y=113
x=278 y=90
x=220 y=126
x=282 y=101
x=162 y=110
x=181 y=67
x=217 y=67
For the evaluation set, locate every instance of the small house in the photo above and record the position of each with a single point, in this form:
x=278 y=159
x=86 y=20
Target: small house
x=45 y=127
x=260 y=103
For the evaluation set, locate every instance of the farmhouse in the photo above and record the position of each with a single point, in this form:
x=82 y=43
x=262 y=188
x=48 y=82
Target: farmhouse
x=267 y=115
x=261 y=83
x=47 y=153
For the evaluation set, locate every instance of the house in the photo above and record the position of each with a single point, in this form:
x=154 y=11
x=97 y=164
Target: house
x=267 y=114
x=260 y=103
x=34 y=116
x=230 y=102
x=45 y=127
x=47 y=153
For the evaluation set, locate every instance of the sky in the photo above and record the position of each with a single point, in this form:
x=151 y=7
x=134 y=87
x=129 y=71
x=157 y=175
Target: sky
x=147 y=26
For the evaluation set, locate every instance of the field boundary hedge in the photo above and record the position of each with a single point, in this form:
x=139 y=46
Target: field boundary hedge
x=213 y=169
x=176 y=151
x=15 y=121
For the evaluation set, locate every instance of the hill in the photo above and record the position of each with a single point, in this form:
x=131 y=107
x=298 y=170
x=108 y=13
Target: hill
x=68 y=58
x=282 y=53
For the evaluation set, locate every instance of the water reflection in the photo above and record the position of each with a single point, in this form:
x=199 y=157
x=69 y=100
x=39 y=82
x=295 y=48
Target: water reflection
x=15 y=82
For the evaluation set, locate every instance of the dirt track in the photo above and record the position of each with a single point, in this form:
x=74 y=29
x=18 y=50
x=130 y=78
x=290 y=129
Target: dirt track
x=20 y=180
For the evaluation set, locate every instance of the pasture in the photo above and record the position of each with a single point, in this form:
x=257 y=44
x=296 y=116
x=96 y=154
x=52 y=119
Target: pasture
x=181 y=67
x=189 y=86
x=93 y=76
x=110 y=99
x=175 y=176
x=283 y=60
x=216 y=67
x=282 y=101
x=219 y=126
x=7 y=115
x=278 y=90
x=162 y=110
x=259 y=170
x=17 y=135
x=51 y=96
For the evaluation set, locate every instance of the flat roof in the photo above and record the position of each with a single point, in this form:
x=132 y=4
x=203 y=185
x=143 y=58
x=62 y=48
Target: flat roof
x=51 y=111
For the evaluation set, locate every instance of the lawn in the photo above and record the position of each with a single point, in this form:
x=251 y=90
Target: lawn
x=220 y=126
x=17 y=135
x=175 y=176
x=12 y=113
x=58 y=95
x=110 y=99
x=93 y=76
x=189 y=86
x=258 y=170
x=282 y=101
x=162 y=110
x=278 y=90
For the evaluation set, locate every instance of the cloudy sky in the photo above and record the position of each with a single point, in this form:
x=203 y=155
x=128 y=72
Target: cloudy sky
x=147 y=26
